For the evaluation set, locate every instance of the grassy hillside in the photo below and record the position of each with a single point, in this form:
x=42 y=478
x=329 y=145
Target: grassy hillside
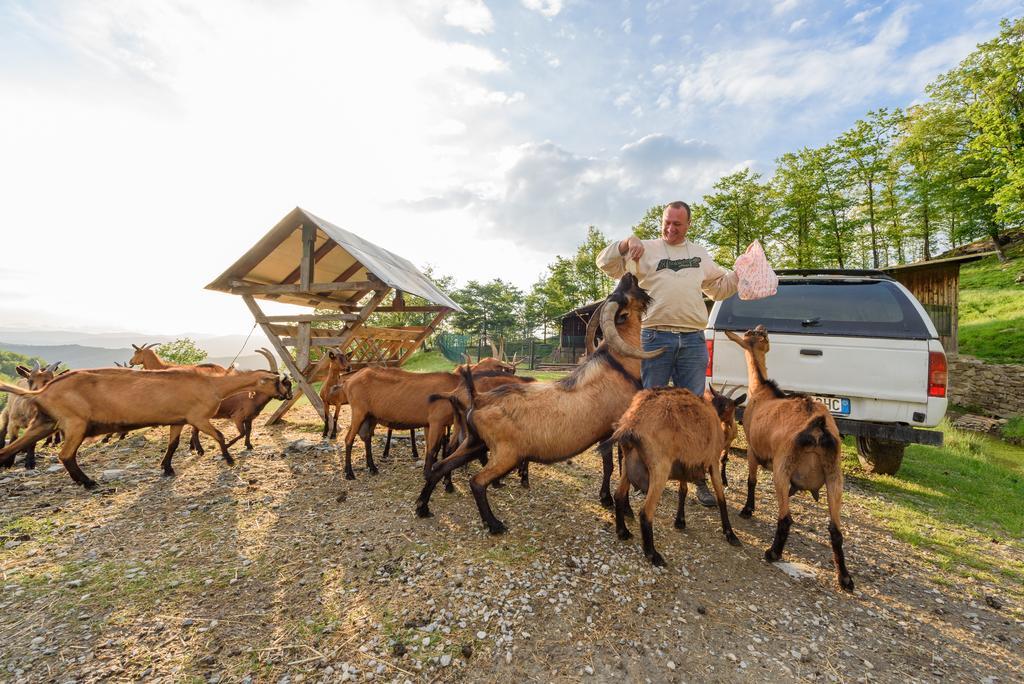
x=992 y=309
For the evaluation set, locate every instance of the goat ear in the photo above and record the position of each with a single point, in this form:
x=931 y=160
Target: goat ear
x=740 y=399
x=23 y=371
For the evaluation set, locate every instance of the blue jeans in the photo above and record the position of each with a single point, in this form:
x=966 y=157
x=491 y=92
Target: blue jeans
x=685 y=360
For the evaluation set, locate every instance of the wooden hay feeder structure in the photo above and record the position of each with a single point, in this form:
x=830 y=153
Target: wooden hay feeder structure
x=310 y=262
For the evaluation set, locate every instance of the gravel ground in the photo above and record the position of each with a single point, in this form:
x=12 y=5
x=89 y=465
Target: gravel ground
x=278 y=570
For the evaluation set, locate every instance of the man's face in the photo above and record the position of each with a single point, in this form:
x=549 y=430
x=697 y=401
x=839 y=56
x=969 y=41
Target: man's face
x=674 y=224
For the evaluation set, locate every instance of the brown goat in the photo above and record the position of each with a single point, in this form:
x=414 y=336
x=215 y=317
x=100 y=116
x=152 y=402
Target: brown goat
x=147 y=358
x=670 y=434
x=729 y=428
x=552 y=422
x=332 y=392
x=19 y=412
x=399 y=399
x=242 y=408
x=86 y=403
x=798 y=439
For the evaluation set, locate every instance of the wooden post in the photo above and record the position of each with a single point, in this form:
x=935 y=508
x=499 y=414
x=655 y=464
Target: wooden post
x=282 y=351
x=306 y=266
x=302 y=349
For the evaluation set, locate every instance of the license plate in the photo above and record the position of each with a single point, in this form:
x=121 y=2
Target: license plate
x=840 y=406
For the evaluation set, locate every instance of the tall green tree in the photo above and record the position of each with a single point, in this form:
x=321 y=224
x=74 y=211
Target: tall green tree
x=797 y=187
x=866 y=147
x=183 y=351
x=738 y=211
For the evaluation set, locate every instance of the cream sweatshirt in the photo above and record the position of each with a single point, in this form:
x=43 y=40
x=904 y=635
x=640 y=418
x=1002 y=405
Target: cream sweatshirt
x=674 y=276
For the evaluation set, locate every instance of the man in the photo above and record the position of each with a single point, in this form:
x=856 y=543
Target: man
x=674 y=271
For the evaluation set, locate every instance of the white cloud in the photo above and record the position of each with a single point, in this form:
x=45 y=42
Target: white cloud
x=545 y=195
x=797 y=25
x=775 y=70
x=471 y=15
x=627 y=26
x=864 y=15
x=548 y=8
x=783 y=6
x=655 y=39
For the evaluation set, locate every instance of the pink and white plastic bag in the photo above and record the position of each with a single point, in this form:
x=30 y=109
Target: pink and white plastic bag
x=757 y=280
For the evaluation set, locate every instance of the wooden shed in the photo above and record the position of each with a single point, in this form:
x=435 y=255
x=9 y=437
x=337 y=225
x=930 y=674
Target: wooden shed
x=310 y=262
x=936 y=284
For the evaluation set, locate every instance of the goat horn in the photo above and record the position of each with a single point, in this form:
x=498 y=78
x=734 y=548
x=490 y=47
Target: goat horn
x=469 y=359
x=53 y=366
x=270 y=359
x=731 y=392
x=615 y=341
x=592 y=325
x=35 y=366
x=494 y=351
x=136 y=347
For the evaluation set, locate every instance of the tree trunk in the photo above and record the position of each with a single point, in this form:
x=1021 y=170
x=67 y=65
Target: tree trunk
x=993 y=232
x=927 y=234
x=871 y=220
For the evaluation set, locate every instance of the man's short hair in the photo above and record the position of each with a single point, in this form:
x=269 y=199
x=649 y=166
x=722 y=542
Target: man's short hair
x=680 y=205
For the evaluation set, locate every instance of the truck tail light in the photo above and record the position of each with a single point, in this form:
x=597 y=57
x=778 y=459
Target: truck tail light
x=711 y=355
x=937 y=374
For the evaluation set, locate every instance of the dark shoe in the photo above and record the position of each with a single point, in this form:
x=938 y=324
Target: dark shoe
x=705 y=496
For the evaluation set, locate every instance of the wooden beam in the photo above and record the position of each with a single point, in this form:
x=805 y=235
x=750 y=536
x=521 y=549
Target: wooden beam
x=346 y=274
x=430 y=328
x=363 y=314
x=242 y=287
x=320 y=253
x=310 y=318
x=313 y=341
x=302 y=349
x=306 y=265
x=282 y=351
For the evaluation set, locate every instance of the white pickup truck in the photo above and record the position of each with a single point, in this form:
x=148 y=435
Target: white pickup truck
x=858 y=342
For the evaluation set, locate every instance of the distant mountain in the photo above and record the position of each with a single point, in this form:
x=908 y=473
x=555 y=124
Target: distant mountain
x=79 y=356
x=214 y=345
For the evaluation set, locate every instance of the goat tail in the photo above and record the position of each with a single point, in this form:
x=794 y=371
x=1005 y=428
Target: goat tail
x=14 y=389
x=467 y=377
x=816 y=434
x=627 y=439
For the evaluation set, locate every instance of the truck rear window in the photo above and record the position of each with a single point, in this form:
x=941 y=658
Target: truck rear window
x=875 y=308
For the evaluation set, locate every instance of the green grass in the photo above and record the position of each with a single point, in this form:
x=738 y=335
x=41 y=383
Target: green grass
x=433 y=361
x=1014 y=430
x=991 y=306
x=961 y=502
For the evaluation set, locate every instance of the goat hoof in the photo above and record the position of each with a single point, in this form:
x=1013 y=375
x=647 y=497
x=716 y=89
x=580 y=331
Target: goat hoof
x=422 y=511
x=657 y=559
x=607 y=501
x=89 y=484
x=449 y=487
x=629 y=513
x=746 y=512
x=732 y=539
x=498 y=528
x=349 y=475
x=498 y=484
x=169 y=472
x=374 y=471
x=525 y=484
x=846 y=583
x=624 y=534
x=771 y=556
x=680 y=524
x=30 y=465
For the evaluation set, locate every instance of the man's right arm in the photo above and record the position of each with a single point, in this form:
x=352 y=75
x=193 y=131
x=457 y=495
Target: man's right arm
x=612 y=259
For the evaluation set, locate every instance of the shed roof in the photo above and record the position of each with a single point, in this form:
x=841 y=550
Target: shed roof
x=339 y=255
x=938 y=263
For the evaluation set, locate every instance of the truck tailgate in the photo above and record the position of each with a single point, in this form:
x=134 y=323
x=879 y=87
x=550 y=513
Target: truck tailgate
x=884 y=379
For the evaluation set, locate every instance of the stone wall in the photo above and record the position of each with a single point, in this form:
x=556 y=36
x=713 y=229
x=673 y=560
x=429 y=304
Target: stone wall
x=998 y=389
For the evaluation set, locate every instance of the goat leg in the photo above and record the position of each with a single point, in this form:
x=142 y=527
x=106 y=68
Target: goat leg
x=621 y=499
x=368 y=447
x=499 y=466
x=725 y=459
x=607 y=466
x=834 y=490
x=35 y=432
x=774 y=553
x=248 y=433
x=680 y=522
x=74 y=433
x=462 y=455
x=334 y=429
x=412 y=441
x=206 y=426
x=748 y=507
x=658 y=478
x=524 y=474
x=387 y=445
x=30 y=457
x=716 y=483
x=172 y=445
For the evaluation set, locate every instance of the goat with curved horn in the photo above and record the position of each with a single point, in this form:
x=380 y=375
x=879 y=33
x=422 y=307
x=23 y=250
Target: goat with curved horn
x=590 y=340
x=263 y=351
x=615 y=341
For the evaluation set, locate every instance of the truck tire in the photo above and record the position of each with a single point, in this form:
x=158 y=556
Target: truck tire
x=880 y=456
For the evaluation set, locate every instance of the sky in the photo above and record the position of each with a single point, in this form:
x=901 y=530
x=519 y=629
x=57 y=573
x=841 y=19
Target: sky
x=144 y=146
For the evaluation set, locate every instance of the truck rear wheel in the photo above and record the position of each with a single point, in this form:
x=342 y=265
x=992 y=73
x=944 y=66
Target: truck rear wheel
x=880 y=456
